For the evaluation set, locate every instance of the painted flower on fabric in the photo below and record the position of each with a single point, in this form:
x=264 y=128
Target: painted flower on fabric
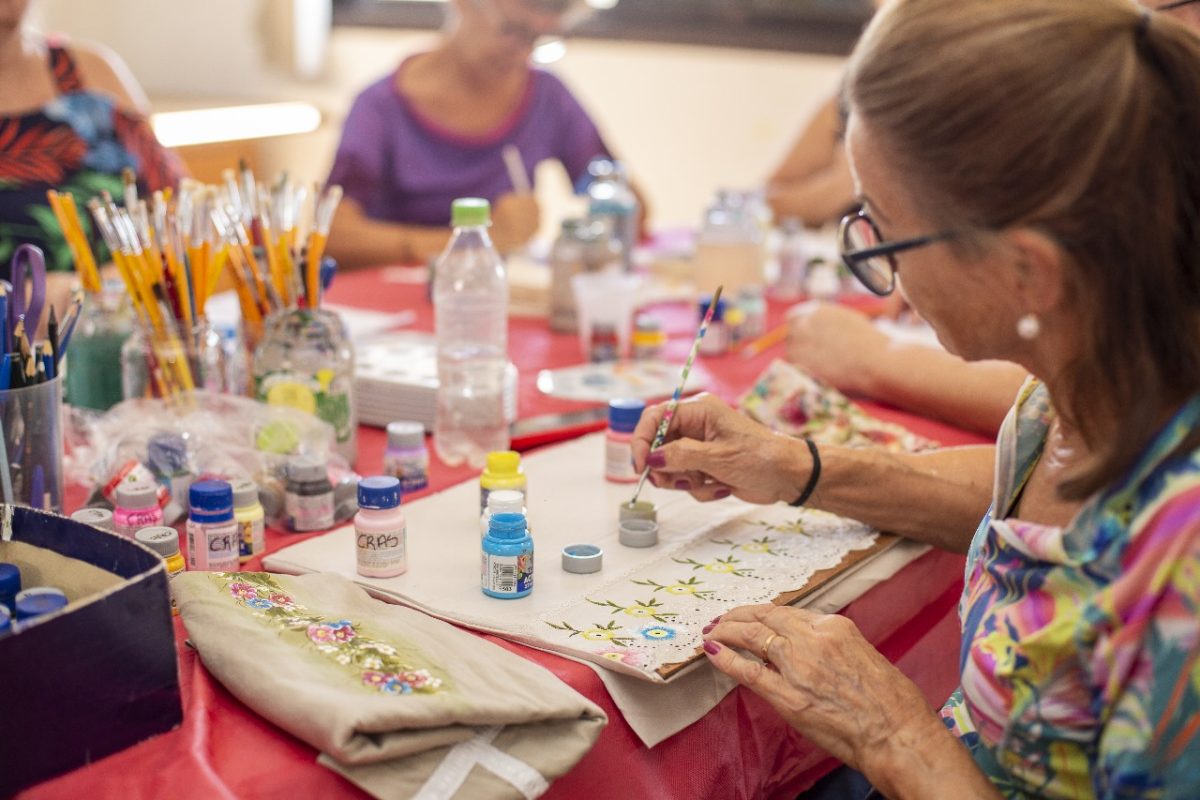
x=657 y=632
x=342 y=658
x=259 y=602
x=379 y=647
x=243 y=591
x=374 y=678
x=282 y=600
x=620 y=654
x=599 y=634
x=331 y=632
x=372 y=662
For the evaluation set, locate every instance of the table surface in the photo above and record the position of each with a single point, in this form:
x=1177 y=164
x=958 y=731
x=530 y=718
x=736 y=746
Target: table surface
x=741 y=749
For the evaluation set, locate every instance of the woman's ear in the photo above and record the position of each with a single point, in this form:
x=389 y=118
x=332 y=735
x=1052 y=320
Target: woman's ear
x=1040 y=271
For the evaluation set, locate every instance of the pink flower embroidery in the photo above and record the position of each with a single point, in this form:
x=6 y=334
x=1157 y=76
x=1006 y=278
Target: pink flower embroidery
x=374 y=678
x=243 y=591
x=282 y=600
x=622 y=655
x=331 y=633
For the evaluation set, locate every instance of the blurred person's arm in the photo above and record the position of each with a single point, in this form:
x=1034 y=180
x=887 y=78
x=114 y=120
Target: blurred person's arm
x=814 y=184
x=841 y=347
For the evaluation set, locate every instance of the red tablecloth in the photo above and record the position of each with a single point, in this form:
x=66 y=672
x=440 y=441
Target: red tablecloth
x=741 y=749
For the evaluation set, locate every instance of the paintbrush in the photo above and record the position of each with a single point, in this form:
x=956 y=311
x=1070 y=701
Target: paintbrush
x=661 y=433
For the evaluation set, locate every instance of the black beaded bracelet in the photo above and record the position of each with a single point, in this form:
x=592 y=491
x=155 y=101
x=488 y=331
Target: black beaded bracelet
x=813 y=477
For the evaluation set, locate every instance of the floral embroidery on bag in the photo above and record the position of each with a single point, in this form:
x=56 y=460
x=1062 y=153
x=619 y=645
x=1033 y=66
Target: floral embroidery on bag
x=651 y=608
x=377 y=664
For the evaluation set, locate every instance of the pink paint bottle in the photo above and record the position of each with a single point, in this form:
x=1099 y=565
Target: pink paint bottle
x=623 y=416
x=137 y=508
x=380 y=530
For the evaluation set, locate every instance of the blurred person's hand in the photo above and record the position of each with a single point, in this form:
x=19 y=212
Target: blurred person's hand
x=836 y=344
x=515 y=220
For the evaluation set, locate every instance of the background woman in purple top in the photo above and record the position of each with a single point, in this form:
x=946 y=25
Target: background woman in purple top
x=434 y=130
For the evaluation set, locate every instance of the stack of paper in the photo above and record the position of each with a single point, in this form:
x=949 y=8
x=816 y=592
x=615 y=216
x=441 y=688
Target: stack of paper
x=395 y=378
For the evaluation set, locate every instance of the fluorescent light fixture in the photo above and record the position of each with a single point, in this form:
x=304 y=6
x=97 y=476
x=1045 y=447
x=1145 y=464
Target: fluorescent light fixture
x=227 y=124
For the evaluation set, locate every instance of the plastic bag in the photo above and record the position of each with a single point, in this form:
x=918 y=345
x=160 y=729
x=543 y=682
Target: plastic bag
x=205 y=435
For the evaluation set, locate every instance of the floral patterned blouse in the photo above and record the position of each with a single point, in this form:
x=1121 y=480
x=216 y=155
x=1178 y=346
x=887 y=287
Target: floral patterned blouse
x=1079 y=662
x=78 y=142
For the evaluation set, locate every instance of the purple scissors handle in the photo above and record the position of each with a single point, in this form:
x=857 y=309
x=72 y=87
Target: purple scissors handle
x=28 y=266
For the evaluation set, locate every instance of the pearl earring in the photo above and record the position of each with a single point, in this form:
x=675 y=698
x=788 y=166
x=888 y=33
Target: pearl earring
x=1028 y=327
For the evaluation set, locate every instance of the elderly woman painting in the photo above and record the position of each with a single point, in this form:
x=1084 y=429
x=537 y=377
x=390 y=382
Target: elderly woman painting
x=1031 y=169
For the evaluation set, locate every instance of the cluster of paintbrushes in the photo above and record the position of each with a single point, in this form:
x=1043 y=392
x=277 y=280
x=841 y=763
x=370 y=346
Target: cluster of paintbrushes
x=172 y=252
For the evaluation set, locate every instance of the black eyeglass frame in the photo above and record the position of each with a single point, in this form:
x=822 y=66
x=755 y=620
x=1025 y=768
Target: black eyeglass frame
x=854 y=259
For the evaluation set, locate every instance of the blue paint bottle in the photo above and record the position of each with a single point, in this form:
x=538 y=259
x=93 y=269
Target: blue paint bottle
x=506 y=565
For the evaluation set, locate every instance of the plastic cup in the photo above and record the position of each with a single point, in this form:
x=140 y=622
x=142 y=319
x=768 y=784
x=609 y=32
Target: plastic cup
x=33 y=445
x=605 y=297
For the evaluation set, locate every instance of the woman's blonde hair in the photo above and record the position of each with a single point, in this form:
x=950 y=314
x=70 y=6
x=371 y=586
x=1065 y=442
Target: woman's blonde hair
x=1080 y=118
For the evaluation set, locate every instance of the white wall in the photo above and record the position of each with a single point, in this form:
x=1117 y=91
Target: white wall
x=687 y=119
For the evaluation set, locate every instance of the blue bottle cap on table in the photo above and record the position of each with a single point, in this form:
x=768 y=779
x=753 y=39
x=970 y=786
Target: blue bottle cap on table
x=211 y=499
x=507 y=526
x=10 y=580
x=379 y=492
x=38 y=601
x=623 y=414
x=5 y=620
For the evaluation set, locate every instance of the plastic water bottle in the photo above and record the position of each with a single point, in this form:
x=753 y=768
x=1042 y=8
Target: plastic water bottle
x=470 y=302
x=611 y=200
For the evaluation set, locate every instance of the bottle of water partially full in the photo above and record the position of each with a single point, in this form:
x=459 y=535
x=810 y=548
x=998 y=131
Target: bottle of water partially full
x=470 y=303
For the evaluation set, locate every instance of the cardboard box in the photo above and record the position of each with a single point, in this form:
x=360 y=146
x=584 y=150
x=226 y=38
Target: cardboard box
x=97 y=676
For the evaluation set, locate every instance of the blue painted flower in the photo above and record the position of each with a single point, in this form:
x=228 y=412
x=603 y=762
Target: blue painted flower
x=657 y=632
x=259 y=602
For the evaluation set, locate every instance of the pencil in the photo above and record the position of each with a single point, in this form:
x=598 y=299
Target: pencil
x=767 y=340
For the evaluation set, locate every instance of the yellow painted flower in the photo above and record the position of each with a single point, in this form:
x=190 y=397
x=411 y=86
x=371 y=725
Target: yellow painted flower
x=598 y=634
x=640 y=611
x=324 y=378
x=682 y=588
x=757 y=547
x=292 y=395
x=720 y=566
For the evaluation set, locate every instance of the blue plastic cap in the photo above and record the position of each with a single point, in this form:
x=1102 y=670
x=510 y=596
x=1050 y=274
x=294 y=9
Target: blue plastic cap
x=718 y=312
x=623 y=414
x=506 y=526
x=39 y=601
x=381 y=491
x=10 y=579
x=211 y=497
x=5 y=620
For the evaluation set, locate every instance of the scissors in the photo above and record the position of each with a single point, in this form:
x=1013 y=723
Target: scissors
x=28 y=268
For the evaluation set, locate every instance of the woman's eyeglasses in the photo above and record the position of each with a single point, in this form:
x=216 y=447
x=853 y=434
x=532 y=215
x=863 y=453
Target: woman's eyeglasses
x=868 y=257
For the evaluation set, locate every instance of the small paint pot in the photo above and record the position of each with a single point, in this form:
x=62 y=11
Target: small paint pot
x=642 y=509
x=638 y=532
x=582 y=558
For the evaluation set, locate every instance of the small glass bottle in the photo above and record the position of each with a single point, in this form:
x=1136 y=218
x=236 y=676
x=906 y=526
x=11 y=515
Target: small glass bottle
x=406 y=456
x=716 y=338
x=10 y=584
x=754 y=306
x=212 y=532
x=793 y=262
x=137 y=507
x=308 y=497
x=251 y=520
x=649 y=339
x=93 y=379
x=506 y=564
x=501 y=501
x=39 y=601
x=380 y=530
x=306 y=361
x=143 y=371
x=100 y=518
x=503 y=471
x=605 y=344
x=623 y=416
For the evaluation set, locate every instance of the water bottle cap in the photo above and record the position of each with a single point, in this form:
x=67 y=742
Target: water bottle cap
x=160 y=539
x=503 y=462
x=211 y=497
x=137 y=495
x=10 y=579
x=507 y=526
x=623 y=414
x=380 y=492
x=306 y=468
x=96 y=517
x=405 y=434
x=470 y=212
x=38 y=601
x=245 y=493
x=506 y=501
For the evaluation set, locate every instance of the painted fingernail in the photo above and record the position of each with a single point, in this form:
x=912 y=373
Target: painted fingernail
x=656 y=460
x=712 y=648
x=682 y=484
x=722 y=493
x=715 y=620
x=707 y=628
